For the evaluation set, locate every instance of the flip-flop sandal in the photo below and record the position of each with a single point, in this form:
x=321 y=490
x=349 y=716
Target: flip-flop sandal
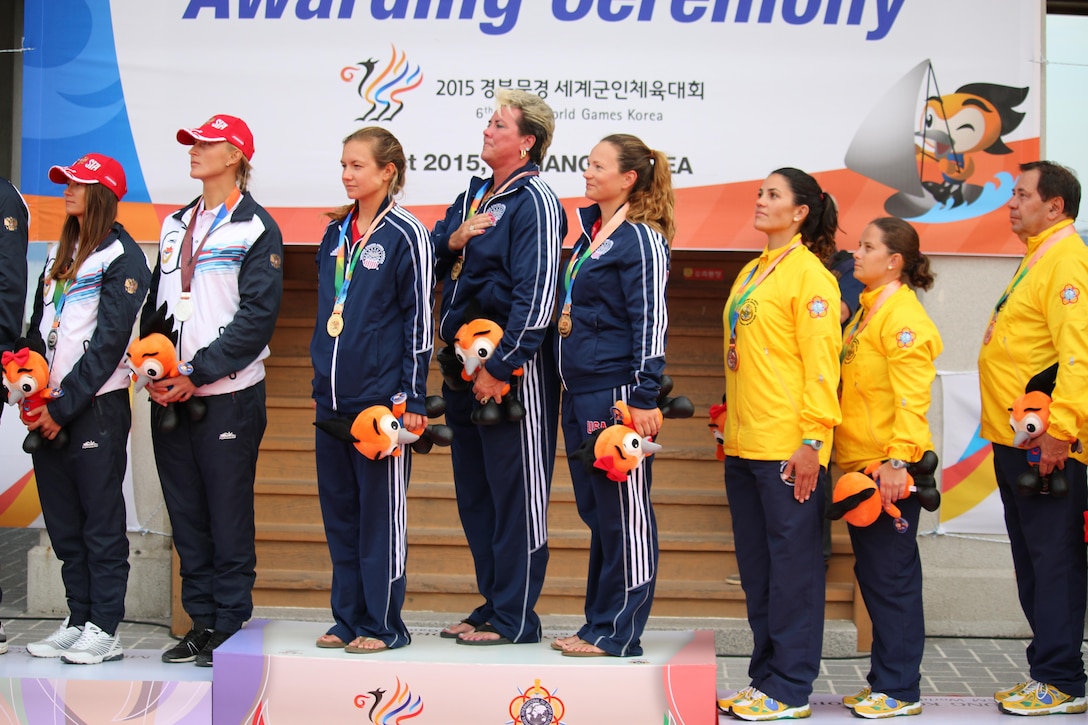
x=353 y=650
x=558 y=646
x=447 y=634
x=485 y=627
x=576 y=653
x=333 y=642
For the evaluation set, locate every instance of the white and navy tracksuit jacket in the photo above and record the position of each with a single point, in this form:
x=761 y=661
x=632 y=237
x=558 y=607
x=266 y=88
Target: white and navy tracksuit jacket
x=615 y=351
x=207 y=468
x=503 y=473
x=80 y=483
x=385 y=348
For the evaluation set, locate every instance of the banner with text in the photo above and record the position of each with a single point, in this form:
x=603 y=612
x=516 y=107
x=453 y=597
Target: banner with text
x=920 y=109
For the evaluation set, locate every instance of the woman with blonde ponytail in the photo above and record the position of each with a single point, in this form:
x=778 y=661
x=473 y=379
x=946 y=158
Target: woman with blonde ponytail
x=219 y=277
x=612 y=347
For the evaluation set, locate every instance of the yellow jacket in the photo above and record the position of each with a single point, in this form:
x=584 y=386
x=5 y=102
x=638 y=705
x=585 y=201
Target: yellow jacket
x=788 y=342
x=887 y=373
x=1044 y=321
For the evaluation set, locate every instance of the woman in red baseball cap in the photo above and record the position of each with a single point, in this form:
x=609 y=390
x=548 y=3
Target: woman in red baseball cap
x=220 y=276
x=94 y=282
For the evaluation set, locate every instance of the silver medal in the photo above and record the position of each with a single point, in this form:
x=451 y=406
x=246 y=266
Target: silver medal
x=184 y=308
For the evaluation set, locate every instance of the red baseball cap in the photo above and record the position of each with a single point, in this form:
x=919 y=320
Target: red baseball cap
x=221 y=128
x=93 y=169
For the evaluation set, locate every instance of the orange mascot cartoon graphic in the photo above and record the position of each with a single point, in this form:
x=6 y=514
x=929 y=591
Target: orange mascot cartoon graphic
x=958 y=127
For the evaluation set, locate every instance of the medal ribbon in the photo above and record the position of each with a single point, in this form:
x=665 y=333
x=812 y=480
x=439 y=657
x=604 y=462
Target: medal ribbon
x=472 y=207
x=344 y=272
x=188 y=256
x=482 y=191
x=860 y=322
x=577 y=260
x=60 y=294
x=739 y=300
x=1057 y=236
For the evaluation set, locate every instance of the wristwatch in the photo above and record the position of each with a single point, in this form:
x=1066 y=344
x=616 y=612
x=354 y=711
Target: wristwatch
x=897 y=464
x=812 y=443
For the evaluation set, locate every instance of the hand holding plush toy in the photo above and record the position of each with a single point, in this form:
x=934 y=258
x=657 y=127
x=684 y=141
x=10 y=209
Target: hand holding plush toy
x=153 y=357
x=1029 y=417
x=378 y=431
x=474 y=344
x=857 y=500
x=618 y=449
x=432 y=435
x=26 y=379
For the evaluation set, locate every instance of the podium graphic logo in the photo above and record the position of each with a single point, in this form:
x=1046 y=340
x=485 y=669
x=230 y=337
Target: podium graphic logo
x=536 y=706
x=396 y=709
x=381 y=86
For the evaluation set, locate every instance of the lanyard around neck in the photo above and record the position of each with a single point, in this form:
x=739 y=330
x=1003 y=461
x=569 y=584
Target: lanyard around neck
x=1043 y=248
x=188 y=254
x=862 y=321
x=482 y=191
x=347 y=260
x=740 y=299
x=577 y=260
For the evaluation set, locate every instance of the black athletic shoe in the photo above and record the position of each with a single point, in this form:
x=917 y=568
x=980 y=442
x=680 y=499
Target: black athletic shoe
x=204 y=656
x=187 y=649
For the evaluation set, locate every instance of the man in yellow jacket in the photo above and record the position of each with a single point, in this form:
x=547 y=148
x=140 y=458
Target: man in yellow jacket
x=1042 y=319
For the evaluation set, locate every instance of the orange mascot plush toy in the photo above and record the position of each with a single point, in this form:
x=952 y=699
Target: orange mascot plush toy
x=153 y=357
x=856 y=497
x=378 y=431
x=1029 y=417
x=618 y=449
x=26 y=379
x=474 y=344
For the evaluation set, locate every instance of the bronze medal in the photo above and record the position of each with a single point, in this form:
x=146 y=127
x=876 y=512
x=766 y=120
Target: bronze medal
x=566 y=324
x=731 y=358
x=458 y=264
x=989 y=333
x=335 y=325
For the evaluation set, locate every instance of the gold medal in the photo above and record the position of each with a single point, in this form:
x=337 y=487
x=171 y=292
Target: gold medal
x=731 y=358
x=458 y=264
x=566 y=324
x=335 y=325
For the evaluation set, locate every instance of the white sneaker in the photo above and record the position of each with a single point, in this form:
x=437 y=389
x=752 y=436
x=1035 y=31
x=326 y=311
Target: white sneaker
x=93 y=647
x=57 y=643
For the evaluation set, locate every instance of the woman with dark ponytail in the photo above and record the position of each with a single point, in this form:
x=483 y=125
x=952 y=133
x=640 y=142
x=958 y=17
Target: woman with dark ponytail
x=783 y=338
x=888 y=351
x=611 y=348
